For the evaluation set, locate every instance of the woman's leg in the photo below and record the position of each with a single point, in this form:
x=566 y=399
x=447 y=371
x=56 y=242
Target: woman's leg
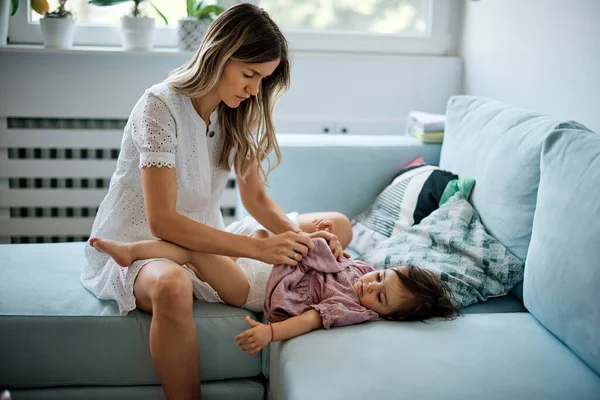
x=341 y=224
x=164 y=289
x=220 y=272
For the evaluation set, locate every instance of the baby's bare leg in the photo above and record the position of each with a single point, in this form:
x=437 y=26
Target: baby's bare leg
x=262 y=234
x=220 y=272
x=341 y=225
x=224 y=275
x=126 y=253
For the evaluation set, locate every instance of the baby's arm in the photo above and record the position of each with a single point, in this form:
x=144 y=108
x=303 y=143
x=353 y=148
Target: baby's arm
x=257 y=337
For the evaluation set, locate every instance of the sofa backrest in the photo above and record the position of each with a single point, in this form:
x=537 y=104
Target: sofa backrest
x=499 y=145
x=562 y=271
x=343 y=173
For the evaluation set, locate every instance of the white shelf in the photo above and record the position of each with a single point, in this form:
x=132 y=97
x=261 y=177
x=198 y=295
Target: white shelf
x=340 y=140
x=39 y=49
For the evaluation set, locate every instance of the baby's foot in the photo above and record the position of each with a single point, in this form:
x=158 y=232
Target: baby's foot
x=119 y=251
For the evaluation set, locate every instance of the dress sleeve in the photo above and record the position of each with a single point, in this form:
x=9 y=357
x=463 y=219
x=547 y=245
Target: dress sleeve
x=340 y=313
x=154 y=133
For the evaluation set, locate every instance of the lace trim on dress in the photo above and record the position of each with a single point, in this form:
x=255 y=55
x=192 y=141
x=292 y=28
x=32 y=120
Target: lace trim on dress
x=150 y=159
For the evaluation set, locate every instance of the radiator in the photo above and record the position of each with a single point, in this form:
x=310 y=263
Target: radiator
x=55 y=172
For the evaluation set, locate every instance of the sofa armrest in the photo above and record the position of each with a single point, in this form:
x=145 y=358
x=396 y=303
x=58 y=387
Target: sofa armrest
x=339 y=172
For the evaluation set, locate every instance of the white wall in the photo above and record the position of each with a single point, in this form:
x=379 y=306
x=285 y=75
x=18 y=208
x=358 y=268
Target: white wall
x=368 y=93
x=364 y=93
x=543 y=55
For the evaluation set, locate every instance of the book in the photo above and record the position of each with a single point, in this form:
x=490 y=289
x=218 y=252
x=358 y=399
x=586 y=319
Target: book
x=426 y=122
x=428 y=137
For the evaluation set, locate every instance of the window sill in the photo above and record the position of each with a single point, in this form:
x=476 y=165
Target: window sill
x=348 y=140
x=107 y=50
x=174 y=51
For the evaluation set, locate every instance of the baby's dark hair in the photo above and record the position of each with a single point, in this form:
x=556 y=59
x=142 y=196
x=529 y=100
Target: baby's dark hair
x=428 y=296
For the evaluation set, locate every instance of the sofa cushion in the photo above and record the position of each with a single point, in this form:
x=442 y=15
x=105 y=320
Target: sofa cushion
x=232 y=389
x=562 y=276
x=54 y=332
x=499 y=145
x=499 y=356
x=454 y=244
x=500 y=304
x=417 y=191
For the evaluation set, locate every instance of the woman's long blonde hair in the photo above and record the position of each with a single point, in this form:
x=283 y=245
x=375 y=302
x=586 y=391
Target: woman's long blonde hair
x=243 y=33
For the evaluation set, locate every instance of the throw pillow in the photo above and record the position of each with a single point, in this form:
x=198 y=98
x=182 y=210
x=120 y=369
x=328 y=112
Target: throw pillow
x=562 y=276
x=416 y=192
x=453 y=242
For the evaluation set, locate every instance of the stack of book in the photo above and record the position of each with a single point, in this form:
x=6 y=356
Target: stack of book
x=428 y=128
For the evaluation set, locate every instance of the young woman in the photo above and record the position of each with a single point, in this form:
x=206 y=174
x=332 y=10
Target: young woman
x=182 y=138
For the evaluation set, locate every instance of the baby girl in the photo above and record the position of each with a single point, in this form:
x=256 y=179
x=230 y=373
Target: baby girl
x=319 y=292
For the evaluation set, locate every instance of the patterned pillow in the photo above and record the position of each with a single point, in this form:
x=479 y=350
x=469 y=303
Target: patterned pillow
x=453 y=242
x=416 y=192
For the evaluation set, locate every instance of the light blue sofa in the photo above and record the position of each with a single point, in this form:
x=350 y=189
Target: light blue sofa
x=539 y=342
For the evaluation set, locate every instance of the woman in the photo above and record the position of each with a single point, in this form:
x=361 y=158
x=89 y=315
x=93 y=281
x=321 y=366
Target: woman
x=179 y=144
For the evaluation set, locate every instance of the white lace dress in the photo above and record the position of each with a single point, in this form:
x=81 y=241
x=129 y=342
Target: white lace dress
x=163 y=130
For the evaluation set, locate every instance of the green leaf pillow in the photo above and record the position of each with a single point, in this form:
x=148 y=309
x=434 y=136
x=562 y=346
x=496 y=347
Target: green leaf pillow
x=453 y=242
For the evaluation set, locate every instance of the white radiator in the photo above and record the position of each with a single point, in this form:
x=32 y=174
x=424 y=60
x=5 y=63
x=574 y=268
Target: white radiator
x=55 y=172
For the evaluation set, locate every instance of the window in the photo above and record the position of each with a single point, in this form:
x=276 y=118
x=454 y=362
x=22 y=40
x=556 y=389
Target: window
x=97 y=26
x=89 y=14
x=384 y=26
x=399 y=17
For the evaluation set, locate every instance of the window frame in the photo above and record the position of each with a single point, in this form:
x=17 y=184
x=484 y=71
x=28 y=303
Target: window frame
x=437 y=41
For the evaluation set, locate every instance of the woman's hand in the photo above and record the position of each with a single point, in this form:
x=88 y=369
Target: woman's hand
x=254 y=339
x=286 y=248
x=334 y=243
x=324 y=228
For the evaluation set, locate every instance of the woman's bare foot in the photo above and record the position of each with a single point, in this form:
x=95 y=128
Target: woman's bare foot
x=119 y=251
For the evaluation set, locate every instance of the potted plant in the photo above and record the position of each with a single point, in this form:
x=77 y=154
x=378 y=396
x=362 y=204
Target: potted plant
x=58 y=26
x=8 y=8
x=137 y=29
x=190 y=30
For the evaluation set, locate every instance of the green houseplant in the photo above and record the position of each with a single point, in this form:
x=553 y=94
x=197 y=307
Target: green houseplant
x=137 y=29
x=190 y=30
x=197 y=9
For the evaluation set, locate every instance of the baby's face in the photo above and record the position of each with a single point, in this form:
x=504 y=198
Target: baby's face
x=381 y=291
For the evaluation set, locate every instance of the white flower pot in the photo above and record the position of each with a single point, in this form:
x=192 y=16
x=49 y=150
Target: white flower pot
x=137 y=33
x=190 y=32
x=58 y=32
x=4 y=15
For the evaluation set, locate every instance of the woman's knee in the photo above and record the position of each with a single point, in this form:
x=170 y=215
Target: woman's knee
x=166 y=286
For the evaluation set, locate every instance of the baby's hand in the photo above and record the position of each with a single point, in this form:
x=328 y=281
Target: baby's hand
x=323 y=224
x=255 y=338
